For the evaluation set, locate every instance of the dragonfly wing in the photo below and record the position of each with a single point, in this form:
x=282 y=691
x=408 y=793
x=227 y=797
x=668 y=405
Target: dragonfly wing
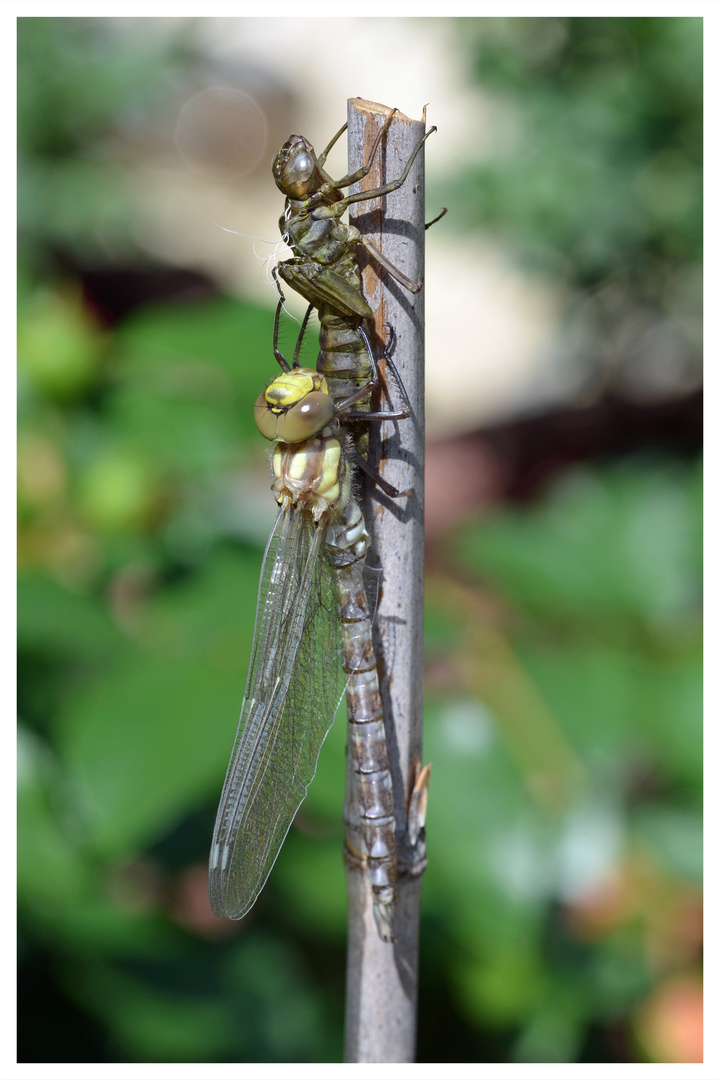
x=290 y=701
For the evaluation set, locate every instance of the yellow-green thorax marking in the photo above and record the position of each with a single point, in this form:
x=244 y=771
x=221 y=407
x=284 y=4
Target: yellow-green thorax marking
x=312 y=475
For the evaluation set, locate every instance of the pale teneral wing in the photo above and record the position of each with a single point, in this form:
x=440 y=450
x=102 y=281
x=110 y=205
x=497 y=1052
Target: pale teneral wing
x=290 y=700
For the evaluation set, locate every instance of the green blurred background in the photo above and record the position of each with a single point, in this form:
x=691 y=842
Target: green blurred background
x=562 y=914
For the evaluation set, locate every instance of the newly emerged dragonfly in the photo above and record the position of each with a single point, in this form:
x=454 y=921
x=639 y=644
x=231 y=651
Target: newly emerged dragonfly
x=311 y=593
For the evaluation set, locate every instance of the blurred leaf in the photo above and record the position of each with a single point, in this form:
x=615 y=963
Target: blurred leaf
x=257 y=1005
x=151 y=737
x=190 y=376
x=118 y=491
x=50 y=869
x=97 y=924
x=309 y=879
x=167 y=341
x=149 y=1023
x=59 y=345
x=212 y=612
x=139 y=750
x=622 y=543
x=491 y=850
x=619 y=977
x=554 y=1032
x=80 y=82
x=676 y=837
x=506 y=987
x=592 y=109
x=285 y=1020
x=55 y=619
x=615 y=706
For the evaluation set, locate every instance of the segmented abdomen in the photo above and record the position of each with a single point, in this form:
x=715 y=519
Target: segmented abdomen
x=369 y=812
x=343 y=360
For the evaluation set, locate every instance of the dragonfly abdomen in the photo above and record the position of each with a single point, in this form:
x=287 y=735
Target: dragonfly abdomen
x=343 y=360
x=343 y=355
x=370 y=811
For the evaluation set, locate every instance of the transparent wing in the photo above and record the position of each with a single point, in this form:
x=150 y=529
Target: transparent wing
x=290 y=700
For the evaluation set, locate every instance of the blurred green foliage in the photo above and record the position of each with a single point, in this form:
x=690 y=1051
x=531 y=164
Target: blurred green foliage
x=575 y=754
x=610 y=117
x=83 y=93
x=563 y=639
x=591 y=171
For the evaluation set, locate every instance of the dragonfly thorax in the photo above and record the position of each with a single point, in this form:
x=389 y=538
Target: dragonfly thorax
x=312 y=475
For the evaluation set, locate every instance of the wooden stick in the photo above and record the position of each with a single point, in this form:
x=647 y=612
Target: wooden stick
x=381 y=1005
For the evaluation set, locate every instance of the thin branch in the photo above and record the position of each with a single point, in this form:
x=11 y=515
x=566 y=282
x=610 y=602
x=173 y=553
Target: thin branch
x=382 y=979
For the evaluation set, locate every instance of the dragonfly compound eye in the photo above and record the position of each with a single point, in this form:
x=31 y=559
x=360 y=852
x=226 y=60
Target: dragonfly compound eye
x=265 y=419
x=307 y=418
x=299 y=169
x=296 y=423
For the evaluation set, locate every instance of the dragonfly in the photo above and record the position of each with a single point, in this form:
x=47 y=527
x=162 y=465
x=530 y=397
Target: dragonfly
x=311 y=594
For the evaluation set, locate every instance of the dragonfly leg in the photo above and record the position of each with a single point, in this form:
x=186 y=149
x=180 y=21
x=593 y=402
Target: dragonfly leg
x=301 y=335
x=442 y=214
x=276 y=349
x=360 y=196
x=375 y=193
x=406 y=410
x=352 y=178
x=407 y=283
x=361 y=416
x=376 y=478
x=323 y=157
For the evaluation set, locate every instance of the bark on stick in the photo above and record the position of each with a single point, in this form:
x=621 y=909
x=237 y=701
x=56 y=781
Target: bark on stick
x=381 y=1004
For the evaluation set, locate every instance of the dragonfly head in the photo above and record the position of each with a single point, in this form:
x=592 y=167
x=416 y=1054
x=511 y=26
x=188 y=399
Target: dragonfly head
x=296 y=169
x=294 y=407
